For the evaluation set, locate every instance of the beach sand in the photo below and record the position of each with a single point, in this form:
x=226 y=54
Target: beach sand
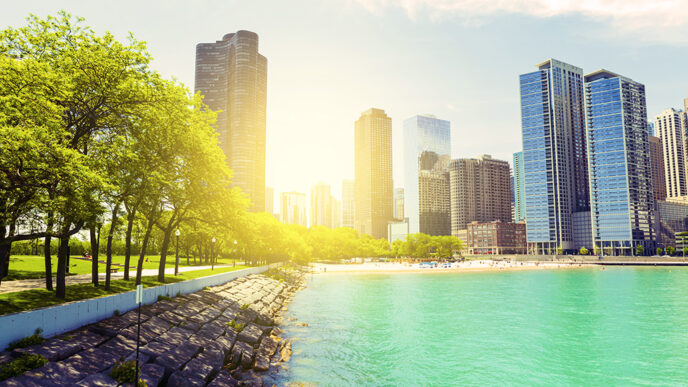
x=462 y=267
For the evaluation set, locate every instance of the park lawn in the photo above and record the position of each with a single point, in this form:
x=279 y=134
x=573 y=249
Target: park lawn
x=40 y=298
x=32 y=267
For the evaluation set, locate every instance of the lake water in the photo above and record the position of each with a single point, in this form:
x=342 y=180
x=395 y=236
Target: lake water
x=618 y=326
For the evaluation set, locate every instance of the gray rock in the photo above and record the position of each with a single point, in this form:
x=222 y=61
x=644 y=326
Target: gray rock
x=156 y=325
x=178 y=379
x=250 y=334
x=120 y=346
x=171 y=317
x=156 y=348
x=224 y=379
x=92 y=360
x=98 y=380
x=175 y=359
x=198 y=369
x=152 y=374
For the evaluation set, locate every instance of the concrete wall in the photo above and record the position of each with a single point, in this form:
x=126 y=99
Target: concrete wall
x=62 y=318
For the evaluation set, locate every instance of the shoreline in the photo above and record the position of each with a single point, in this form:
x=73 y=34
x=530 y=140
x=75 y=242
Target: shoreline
x=464 y=267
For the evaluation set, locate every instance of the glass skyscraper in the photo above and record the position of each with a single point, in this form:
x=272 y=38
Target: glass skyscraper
x=519 y=188
x=554 y=154
x=427 y=146
x=621 y=192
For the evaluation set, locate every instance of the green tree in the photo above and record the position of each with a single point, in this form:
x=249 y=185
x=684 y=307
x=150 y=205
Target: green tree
x=640 y=250
x=583 y=251
x=670 y=250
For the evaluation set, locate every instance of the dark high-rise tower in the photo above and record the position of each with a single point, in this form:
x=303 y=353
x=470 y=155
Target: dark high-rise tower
x=232 y=76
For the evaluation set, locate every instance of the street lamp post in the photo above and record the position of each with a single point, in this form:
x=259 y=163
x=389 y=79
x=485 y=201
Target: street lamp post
x=176 y=260
x=212 y=255
x=234 y=258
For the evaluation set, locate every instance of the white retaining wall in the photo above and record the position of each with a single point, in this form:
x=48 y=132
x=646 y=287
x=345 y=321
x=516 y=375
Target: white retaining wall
x=63 y=318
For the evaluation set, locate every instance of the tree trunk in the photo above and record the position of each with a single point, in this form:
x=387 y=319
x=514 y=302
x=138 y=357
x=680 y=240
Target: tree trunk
x=94 y=254
x=108 y=252
x=127 y=243
x=142 y=255
x=47 y=254
x=62 y=252
x=163 y=254
x=5 y=247
x=48 y=264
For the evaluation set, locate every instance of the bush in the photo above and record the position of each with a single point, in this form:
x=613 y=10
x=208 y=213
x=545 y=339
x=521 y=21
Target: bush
x=165 y=298
x=21 y=364
x=244 y=307
x=125 y=372
x=237 y=326
x=34 y=339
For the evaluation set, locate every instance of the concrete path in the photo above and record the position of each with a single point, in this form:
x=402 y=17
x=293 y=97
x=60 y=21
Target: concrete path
x=19 y=285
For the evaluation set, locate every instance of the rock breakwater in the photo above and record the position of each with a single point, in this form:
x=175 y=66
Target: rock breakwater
x=226 y=335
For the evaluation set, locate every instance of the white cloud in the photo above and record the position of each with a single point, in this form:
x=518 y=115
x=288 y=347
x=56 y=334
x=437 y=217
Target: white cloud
x=658 y=20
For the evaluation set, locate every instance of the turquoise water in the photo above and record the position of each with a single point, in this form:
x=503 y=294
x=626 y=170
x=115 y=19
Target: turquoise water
x=619 y=326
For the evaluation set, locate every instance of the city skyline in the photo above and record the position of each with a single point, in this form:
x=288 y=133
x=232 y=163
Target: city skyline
x=461 y=88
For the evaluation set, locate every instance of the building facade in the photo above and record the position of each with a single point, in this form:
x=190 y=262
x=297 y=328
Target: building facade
x=399 y=203
x=232 y=77
x=657 y=164
x=621 y=192
x=434 y=205
x=322 y=209
x=373 y=173
x=554 y=154
x=348 y=203
x=671 y=126
x=427 y=140
x=496 y=237
x=269 y=200
x=672 y=218
x=293 y=208
x=480 y=190
x=519 y=188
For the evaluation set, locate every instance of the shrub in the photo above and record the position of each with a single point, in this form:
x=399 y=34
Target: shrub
x=125 y=372
x=116 y=313
x=21 y=364
x=237 y=326
x=244 y=307
x=161 y=298
x=34 y=339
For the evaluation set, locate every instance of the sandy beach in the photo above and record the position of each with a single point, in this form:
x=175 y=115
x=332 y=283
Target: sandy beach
x=456 y=267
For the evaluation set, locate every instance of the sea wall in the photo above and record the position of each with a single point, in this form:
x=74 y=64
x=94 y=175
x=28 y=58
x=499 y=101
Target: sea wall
x=58 y=319
x=220 y=336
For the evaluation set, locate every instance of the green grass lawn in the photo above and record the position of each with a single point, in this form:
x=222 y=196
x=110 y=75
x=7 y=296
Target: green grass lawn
x=31 y=266
x=39 y=298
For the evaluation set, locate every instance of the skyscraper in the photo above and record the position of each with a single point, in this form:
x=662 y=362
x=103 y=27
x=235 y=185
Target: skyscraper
x=336 y=212
x=479 y=191
x=373 y=173
x=519 y=188
x=399 y=203
x=670 y=124
x=321 y=205
x=657 y=163
x=554 y=154
x=427 y=140
x=232 y=76
x=434 y=204
x=269 y=200
x=293 y=208
x=348 y=200
x=621 y=193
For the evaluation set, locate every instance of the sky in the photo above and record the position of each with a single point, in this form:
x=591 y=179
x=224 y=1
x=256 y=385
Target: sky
x=330 y=60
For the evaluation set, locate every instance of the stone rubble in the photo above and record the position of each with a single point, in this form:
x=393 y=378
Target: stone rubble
x=191 y=340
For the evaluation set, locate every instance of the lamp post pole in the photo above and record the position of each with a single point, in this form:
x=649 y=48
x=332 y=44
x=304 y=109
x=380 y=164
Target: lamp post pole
x=176 y=260
x=212 y=255
x=234 y=258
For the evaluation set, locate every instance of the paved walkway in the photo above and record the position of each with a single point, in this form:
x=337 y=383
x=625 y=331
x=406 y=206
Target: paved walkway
x=19 y=285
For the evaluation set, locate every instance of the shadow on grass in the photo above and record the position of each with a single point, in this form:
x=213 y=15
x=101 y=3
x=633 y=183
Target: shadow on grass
x=40 y=298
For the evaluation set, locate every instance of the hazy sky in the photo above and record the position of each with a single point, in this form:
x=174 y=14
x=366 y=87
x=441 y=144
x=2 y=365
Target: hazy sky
x=328 y=61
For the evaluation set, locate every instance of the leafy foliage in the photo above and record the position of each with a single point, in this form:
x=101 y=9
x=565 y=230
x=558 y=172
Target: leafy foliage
x=125 y=372
x=23 y=363
x=34 y=339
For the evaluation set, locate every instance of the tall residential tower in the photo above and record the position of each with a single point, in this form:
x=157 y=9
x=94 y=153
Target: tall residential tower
x=554 y=155
x=427 y=147
x=621 y=193
x=232 y=76
x=373 y=173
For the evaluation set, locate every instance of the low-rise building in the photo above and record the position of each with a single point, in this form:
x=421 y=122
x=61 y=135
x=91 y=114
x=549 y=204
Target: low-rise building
x=496 y=237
